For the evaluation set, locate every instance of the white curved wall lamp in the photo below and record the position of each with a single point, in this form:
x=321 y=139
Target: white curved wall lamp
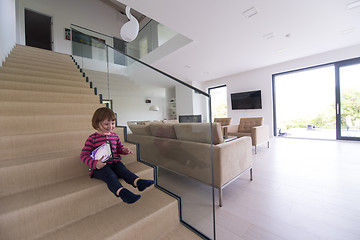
x=129 y=30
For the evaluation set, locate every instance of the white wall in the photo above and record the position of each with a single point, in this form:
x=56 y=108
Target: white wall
x=92 y=14
x=7 y=28
x=261 y=79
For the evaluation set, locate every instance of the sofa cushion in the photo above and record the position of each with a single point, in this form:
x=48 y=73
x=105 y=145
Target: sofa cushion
x=198 y=132
x=140 y=129
x=163 y=130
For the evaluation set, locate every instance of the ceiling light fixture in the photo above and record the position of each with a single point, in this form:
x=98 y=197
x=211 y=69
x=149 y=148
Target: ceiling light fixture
x=250 y=12
x=269 y=36
x=154 y=108
x=347 y=31
x=129 y=30
x=353 y=5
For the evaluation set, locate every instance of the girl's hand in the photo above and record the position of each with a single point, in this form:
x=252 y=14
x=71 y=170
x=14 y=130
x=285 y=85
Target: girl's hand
x=100 y=164
x=127 y=151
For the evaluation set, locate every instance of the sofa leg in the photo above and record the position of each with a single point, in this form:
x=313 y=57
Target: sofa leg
x=220 y=197
x=251 y=175
x=268 y=144
x=255 y=149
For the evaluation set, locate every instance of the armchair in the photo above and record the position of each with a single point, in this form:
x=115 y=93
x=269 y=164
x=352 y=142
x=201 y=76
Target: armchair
x=252 y=127
x=224 y=123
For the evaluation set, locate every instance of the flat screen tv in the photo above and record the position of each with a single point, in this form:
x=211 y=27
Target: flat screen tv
x=246 y=100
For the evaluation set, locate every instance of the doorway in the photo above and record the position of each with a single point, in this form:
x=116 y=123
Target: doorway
x=38 y=30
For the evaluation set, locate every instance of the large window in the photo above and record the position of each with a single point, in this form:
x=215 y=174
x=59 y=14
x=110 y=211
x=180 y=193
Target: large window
x=308 y=103
x=305 y=103
x=218 y=101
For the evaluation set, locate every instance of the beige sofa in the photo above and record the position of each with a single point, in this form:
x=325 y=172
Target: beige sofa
x=252 y=127
x=185 y=148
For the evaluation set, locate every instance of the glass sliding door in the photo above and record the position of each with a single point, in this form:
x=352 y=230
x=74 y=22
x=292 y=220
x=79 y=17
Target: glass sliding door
x=348 y=99
x=304 y=103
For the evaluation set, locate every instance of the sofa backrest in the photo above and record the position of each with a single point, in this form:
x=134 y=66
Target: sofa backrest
x=199 y=132
x=163 y=130
x=194 y=132
x=246 y=124
x=140 y=129
x=223 y=121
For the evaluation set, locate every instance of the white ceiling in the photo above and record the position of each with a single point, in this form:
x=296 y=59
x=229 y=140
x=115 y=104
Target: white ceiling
x=225 y=42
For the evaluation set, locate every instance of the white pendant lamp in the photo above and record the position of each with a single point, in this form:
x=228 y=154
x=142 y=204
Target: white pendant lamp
x=129 y=30
x=154 y=108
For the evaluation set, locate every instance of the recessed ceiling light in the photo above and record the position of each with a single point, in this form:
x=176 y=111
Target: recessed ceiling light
x=347 y=31
x=250 y=12
x=353 y=5
x=268 y=36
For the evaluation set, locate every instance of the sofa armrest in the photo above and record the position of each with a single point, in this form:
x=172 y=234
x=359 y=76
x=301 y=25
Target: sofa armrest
x=232 y=129
x=231 y=159
x=260 y=134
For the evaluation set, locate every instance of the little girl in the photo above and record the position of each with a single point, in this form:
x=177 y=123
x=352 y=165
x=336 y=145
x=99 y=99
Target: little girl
x=104 y=122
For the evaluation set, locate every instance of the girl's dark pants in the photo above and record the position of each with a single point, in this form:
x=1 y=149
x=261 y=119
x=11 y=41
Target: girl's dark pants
x=111 y=173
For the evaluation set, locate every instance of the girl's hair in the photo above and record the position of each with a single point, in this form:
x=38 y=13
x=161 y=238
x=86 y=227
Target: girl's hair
x=102 y=114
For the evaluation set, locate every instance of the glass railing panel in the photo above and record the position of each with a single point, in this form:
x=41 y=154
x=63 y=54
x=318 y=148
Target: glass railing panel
x=169 y=120
x=150 y=37
x=91 y=56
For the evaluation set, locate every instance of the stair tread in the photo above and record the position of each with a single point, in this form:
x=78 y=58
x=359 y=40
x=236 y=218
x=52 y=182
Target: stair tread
x=42 y=67
x=26 y=72
x=46 y=108
x=19 y=125
x=32 y=197
x=180 y=233
x=32 y=79
x=39 y=158
x=101 y=224
x=46 y=87
x=13 y=95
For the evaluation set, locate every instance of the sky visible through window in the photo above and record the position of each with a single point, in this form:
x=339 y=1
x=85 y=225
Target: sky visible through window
x=304 y=94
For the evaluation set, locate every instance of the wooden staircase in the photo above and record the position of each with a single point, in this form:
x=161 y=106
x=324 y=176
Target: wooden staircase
x=45 y=191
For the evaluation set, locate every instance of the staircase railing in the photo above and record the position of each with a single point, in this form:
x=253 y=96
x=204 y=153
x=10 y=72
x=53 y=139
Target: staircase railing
x=138 y=93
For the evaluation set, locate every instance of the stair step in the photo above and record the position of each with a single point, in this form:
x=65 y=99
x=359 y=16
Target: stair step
x=46 y=108
x=24 y=59
x=25 y=173
x=153 y=215
x=18 y=125
x=44 y=87
x=180 y=233
x=42 y=67
x=47 y=208
x=37 y=53
x=11 y=95
x=42 y=143
x=30 y=49
x=42 y=80
x=26 y=72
